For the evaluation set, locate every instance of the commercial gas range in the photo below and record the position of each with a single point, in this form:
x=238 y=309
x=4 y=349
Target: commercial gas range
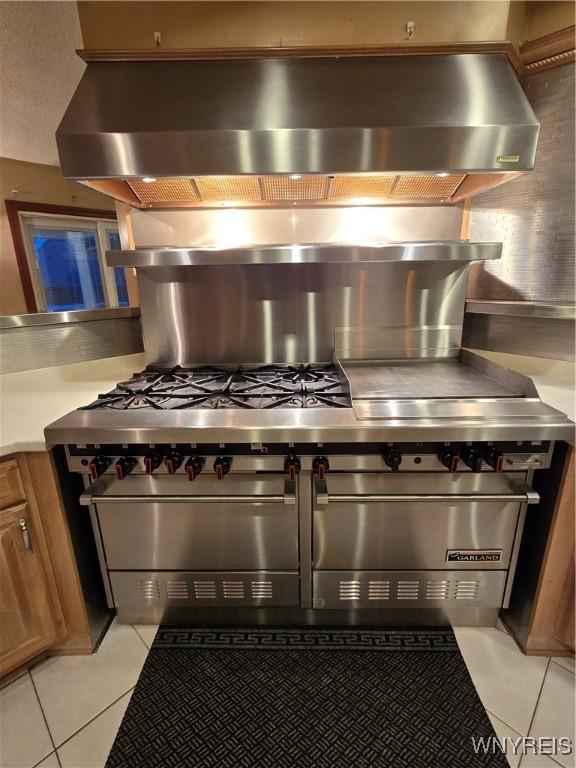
x=309 y=443
x=358 y=492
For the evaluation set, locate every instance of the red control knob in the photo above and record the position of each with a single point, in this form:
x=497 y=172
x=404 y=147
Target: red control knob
x=99 y=465
x=320 y=466
x=222 y=466
x=193 y=467
x=494 y=458
x=172 y=461
x=151 y=462
x=292 y=466
x=124 y=466
x=450 y=459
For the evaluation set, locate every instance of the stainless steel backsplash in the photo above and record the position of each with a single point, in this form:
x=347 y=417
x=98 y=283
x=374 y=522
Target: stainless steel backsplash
x=533 y=216
x=301 y=313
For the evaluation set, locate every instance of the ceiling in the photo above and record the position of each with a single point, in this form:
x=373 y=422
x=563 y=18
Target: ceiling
x=40 y=71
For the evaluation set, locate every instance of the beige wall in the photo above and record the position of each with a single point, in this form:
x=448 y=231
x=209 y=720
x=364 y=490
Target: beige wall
x=33 y=183
x=131 y=25
x=542 y=18
x=40 y=72
x=230 y=24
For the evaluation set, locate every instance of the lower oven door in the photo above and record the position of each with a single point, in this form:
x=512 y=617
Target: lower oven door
x=417 y=548
x=416 y=521
x=170 y=545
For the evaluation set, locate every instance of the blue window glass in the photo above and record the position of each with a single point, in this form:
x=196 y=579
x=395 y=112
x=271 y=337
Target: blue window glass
x=119 y=273
x=69 y=269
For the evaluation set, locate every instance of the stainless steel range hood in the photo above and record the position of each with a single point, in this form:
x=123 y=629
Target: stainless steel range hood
x=311 y=131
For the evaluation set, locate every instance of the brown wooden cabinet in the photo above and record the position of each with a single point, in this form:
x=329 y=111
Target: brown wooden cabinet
x=41 y=605
x=552 y=628
x=28 y=623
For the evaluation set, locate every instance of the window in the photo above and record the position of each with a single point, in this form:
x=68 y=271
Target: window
x=66 y=261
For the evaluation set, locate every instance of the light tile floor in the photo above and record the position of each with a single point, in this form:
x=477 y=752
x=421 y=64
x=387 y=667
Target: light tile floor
x=65 y=711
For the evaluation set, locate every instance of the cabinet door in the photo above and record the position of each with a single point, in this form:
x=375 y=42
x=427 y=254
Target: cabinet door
x=27 y=623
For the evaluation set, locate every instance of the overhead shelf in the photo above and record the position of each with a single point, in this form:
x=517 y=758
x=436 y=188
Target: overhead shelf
x=320 y=253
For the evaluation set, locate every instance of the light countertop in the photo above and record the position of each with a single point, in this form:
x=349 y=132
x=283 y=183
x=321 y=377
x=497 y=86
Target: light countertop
x=554 y=379
x=30 y=400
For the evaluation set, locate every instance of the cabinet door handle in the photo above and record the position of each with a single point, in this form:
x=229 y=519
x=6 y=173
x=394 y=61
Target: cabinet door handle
x=26 y=538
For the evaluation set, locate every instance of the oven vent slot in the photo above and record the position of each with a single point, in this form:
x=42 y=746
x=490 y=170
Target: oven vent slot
x=261 y=589
x=378 y=590
x=205 y=590
x=177 y=590
x=408 y=590
x=233 y=590
x=349 y=590
x=437 y=590
x=148 y=590
x=466 y=590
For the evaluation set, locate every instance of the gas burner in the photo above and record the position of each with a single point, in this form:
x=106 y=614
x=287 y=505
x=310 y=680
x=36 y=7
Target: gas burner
x=304 y=386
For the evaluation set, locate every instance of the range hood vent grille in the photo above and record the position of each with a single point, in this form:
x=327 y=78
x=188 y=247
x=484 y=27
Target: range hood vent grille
x=210 y=191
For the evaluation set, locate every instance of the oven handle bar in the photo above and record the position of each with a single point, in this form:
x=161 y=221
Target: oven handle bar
x=518 y=492
x=96 y=494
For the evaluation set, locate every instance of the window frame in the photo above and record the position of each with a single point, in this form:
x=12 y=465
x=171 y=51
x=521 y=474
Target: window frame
x=32 y=287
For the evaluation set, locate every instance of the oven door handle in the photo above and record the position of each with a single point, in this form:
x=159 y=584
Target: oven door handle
x=96 y=494
x=518 y=492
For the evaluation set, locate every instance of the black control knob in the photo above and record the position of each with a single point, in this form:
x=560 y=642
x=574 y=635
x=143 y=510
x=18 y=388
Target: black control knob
x=473 y=459
x=99 y=465
x=172 y=461
x=193 y=467
x=320 y=466
x=449 y=459
x=494 y=458
x=292 y=466
x=393 y=458
x=152 y=461
x=222 y=466
x=124 y=466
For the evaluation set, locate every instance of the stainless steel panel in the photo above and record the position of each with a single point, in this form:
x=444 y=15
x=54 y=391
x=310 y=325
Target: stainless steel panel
x=534 y=215
x=394 y=343
x=309 y=115
x=451 y=591
x=289 y=314
x=151 y=594
x=551 y=310
x=232 y=228
x=509 y=378
x=535 y=336
x=511 y=408
x=414 y=379
x=353 y=529
x=310 y=253
x=367 y=484
x=29 y=347
x=413 y=462
x=317 y=425
x=213 y=534
x=76 y=316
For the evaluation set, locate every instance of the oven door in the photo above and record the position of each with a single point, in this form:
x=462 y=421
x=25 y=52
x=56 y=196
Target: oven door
x=244 y=522
x=418 y=521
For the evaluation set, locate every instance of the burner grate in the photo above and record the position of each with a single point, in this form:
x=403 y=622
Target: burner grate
x=303 y=386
